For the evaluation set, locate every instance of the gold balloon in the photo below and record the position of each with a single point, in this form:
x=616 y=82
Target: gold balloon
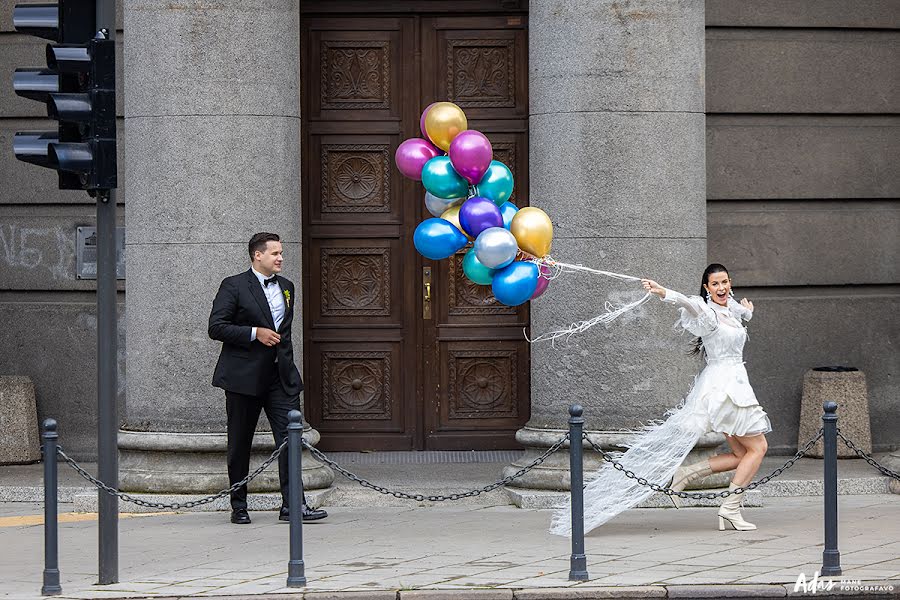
x=452 y=215
x=444 y=122
x=533 y=231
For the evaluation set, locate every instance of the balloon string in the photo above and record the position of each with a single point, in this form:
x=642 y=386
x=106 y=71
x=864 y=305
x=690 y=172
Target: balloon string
x=554 y=270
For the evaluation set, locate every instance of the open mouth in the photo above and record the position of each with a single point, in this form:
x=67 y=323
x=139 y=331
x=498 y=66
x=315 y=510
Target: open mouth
x=721 y=295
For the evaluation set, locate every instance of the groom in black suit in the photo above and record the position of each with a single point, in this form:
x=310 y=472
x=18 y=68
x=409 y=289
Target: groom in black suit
x=251 y=315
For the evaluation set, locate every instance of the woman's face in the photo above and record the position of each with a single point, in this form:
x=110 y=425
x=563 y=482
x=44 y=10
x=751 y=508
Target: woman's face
x=719 y=285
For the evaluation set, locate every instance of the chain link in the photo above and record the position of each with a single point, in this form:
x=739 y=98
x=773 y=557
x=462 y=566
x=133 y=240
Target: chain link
x=884 y=470
x=423 y=498
x=319 y=455
x=704 y=495
x=174 y=505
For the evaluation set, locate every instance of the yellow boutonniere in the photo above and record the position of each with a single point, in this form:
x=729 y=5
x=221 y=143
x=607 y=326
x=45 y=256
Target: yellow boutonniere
x=287 y=298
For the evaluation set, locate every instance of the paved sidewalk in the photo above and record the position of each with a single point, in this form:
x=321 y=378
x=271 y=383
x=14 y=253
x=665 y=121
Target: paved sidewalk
x=458 y=548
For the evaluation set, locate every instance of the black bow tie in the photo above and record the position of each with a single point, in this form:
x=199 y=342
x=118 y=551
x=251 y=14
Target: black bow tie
x=272 y=279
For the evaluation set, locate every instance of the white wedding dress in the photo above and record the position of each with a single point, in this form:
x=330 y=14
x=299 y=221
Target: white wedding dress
x=720 y=400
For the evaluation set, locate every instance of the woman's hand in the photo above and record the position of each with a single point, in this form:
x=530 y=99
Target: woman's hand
x=747 y=304
x=654 y=288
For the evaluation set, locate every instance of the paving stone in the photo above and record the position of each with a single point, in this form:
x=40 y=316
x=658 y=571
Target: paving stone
x=456 y=594
x=720 y=592
x=590 y=593
x=368 y=595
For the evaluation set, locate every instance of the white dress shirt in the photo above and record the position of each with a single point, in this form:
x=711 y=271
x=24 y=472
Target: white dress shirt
x=275 y=297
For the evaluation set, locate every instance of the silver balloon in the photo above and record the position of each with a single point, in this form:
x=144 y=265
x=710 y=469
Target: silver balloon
x=437 y=206
x=495 y=247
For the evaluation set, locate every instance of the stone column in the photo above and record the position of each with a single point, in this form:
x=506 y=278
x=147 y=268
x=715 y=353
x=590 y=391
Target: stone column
x=212 y=149
x=617 y=159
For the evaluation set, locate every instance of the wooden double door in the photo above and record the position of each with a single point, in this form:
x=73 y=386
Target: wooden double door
x=401 y=352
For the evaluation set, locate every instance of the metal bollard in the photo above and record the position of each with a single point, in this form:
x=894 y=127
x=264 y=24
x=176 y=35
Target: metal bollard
x=51 y=585
x=296 y=568
x=831 y=556
x=578 y=561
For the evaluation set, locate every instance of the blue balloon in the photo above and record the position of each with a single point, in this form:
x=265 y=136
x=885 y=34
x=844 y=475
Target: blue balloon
x=438 y=238
x=496 y=185
x=515 y=283
x=440 y=179
x=508 y=211
x=475 y=271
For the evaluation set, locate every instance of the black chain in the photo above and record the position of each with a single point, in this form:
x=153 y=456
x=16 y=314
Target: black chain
x=422 y=497
x=175 y=505
x=884 y=470
x=704 y=495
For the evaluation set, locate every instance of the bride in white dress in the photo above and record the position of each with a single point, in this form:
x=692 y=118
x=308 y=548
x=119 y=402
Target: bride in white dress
x=721 y=400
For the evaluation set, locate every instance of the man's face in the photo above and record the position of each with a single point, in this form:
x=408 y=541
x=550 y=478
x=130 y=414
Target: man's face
x=268 y=261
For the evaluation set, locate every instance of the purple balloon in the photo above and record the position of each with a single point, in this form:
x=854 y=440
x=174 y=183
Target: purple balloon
x=543 y=282
x=422 y=120
x=412 y=155
x=477 y=214
x=471 y=154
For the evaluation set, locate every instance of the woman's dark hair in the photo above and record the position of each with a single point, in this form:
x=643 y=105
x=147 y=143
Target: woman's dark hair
x=713 y=268
x=260 y=240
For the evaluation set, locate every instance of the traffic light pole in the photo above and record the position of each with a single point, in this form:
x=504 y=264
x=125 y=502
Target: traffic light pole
x=107 y=359
x=107 y=414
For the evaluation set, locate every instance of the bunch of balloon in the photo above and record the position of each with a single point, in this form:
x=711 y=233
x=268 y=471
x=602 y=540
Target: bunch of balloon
x=468 y=193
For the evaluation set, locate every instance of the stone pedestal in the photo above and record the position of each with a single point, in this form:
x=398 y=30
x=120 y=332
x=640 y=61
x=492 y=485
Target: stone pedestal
x=195 y=463
x=617 y=159
x=212 y=154
x=20 y=441
x=553 y=473
x=847 y=387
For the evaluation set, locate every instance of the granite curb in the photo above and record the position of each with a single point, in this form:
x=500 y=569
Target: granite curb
x=871 y=589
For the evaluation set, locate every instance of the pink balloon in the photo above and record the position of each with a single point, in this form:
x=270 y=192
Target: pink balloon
x=471 y=154
x=412 y=155
x=543 y=282
x=422 y=120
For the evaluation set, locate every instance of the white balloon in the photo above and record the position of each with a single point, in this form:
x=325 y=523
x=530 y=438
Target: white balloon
x=496 y=247
x=437 y=206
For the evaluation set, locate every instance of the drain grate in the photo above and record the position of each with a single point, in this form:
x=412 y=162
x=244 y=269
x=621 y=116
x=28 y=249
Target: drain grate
x=427 y=457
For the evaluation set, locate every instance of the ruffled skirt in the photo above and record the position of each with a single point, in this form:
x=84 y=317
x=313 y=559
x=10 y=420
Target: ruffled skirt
x=723 y=401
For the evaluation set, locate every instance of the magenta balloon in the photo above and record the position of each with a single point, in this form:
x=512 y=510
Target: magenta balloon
x=477 y=214
x=542 y=282
x=471 y=154
x=422 y=120
x=412 y=155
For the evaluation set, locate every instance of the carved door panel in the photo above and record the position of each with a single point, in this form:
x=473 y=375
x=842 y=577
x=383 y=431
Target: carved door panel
x=477 y=370
x=379 y=375
x=360 y=337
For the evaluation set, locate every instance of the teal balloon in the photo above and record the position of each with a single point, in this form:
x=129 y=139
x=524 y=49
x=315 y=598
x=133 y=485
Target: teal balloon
x=438 y=238
x=440 y=179
x=497 y=183
x=508 y=210
x=515 y=283
x=475 y=271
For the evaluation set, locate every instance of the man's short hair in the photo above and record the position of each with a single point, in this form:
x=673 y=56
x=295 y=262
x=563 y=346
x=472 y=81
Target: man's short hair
x=259 y=241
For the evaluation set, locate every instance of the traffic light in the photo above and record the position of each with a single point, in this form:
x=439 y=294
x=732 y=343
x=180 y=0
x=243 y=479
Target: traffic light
x=79 y=88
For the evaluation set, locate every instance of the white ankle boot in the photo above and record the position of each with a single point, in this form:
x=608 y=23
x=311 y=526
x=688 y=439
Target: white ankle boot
x=684 y=476
x=730 y=512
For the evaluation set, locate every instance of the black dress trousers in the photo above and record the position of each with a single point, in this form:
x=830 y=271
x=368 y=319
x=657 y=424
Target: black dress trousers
x=243 y=414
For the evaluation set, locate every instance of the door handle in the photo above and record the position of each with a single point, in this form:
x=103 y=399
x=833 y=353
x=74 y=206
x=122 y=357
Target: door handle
x=426 y=292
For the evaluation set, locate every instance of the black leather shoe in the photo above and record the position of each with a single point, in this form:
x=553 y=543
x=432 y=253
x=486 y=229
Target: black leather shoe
x=309 y=514
x=239 y=516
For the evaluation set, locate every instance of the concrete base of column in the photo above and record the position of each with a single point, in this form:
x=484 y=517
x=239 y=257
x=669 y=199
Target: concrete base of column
x=195 y=463
x=893 y=463
x=553 y=473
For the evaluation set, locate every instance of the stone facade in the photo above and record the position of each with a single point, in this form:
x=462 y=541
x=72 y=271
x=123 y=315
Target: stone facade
x=801 y=199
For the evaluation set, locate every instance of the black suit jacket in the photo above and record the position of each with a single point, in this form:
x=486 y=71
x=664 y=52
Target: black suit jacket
x=245 y=367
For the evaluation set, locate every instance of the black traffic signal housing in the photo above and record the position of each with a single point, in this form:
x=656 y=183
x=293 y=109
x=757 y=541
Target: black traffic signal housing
x=79 y=88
